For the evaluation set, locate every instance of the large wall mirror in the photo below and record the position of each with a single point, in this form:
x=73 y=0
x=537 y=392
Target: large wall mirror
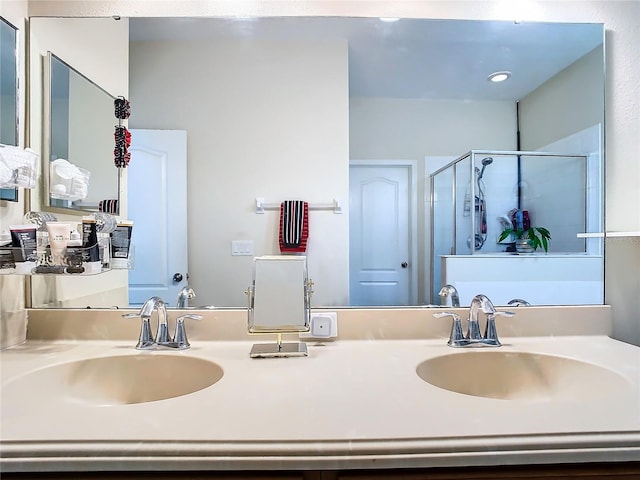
x=79 y=121
x=288 y=108
x=8 y=93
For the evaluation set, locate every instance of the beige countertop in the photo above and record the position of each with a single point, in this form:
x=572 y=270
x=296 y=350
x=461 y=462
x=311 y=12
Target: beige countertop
x=352 y=403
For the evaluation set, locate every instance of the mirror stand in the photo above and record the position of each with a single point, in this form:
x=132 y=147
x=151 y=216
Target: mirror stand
x=279 y=349
x=279 y=302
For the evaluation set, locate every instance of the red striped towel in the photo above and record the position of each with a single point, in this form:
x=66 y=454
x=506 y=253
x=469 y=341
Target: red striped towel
x=108 y=206
x=294 y=226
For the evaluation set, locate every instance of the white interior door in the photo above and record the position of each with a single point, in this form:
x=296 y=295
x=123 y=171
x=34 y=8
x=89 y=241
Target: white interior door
x=157 y=195
x=379 y=239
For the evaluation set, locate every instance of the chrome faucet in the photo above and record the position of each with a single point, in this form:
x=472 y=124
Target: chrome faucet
x=518 y=302
x=473 y=336
x=162 y=338
x=185 y=294
x=449 y=291
x=156 y=303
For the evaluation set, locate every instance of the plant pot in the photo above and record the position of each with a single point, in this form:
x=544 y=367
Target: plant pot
x=522 y=246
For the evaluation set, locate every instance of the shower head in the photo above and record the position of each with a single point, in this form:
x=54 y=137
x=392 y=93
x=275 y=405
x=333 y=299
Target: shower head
x=485 y=161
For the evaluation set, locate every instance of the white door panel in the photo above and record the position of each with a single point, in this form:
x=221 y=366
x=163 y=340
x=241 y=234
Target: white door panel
x=157 y=194
x=379 y=235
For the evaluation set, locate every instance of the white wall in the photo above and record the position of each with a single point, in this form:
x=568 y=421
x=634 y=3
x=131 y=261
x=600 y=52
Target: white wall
x=382 y=128
x=273 y=124
x=565 y=104
x=388 y=128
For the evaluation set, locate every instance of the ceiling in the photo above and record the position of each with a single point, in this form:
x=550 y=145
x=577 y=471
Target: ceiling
x=411 y=58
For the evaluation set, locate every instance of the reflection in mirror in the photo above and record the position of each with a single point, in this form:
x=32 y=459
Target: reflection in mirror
x=8 y=93
x=78 y=160
x=279 y=107
x=559 y=192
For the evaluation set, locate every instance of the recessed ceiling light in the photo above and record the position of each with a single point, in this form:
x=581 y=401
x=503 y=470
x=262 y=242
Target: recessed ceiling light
x=499 y=76
x=389 y=19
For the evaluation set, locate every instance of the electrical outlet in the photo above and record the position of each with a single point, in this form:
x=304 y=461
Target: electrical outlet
x=322 y=325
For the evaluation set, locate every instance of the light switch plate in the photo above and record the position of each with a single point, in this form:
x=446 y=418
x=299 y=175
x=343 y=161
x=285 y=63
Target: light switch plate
x=322 y=325
x=242 y=247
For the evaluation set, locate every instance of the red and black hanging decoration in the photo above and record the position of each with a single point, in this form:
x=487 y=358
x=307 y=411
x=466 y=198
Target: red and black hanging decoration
x=122 y=108
x=122 y=134
x=123 y=142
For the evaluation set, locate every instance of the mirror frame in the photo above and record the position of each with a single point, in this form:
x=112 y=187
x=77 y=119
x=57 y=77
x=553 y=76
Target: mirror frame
x=11 y=194
x=46 y=137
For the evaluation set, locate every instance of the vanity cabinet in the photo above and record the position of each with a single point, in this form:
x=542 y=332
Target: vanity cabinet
x=619 y=471
x=615 y=470
x=240 y=475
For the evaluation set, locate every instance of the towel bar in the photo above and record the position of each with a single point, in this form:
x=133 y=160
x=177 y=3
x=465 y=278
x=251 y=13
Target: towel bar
x=261 y=206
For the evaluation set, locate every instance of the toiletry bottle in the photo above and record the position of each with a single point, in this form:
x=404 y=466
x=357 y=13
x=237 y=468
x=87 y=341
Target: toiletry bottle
x=74 y=253
x=120 y=244
x=74 y=239
x=519 y=220
x=59 y=233
x=25 y=248
x=7 y=264
x=91 y=248
x=526 y=223
x=5 y=238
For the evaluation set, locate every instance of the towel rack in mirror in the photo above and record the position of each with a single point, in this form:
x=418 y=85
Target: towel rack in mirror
x=336 y=206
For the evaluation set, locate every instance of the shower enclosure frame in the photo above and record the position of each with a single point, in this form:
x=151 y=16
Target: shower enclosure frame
x=472 y=154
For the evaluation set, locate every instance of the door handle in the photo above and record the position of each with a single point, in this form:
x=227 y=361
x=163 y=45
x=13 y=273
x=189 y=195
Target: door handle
x=404 y=264
x=177 y=277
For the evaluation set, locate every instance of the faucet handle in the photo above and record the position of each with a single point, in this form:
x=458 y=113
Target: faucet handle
x=519 y=302
x=491 y=332
x=181 y=333
x=146 y=337
x=456 y=338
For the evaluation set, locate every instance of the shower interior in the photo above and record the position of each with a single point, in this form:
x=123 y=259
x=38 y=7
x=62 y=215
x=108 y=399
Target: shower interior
x=479 y=236
x=473 y=199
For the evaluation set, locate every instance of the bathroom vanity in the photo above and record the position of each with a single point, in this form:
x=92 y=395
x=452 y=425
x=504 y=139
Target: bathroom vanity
x=387 y=399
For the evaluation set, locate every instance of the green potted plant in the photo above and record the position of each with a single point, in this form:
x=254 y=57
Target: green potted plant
x=528 y=240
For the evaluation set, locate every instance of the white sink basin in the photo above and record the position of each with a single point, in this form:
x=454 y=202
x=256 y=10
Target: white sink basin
x=120 y=380
x=520 y=376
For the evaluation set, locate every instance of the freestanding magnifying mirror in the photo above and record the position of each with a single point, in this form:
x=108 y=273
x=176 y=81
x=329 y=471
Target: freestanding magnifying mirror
x=279 y=302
